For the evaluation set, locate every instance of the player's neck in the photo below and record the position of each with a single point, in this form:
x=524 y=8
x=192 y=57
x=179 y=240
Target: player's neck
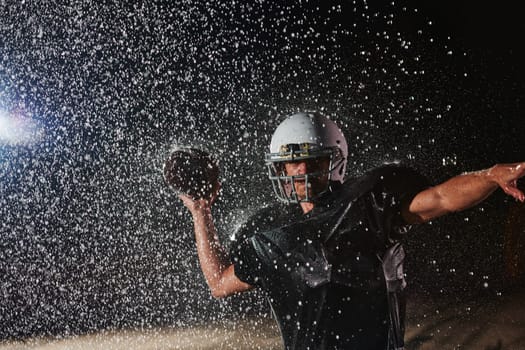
x=306 y=206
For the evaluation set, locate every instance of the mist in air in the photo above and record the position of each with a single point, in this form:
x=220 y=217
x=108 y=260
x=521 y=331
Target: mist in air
x=94 y=96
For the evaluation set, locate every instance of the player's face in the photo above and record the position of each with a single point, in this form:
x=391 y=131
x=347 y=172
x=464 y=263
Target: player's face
x=316 y=184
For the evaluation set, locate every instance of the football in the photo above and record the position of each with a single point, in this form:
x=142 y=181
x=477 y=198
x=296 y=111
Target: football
x=191 y=171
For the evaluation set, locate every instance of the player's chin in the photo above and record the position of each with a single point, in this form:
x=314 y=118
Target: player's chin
x=313 y=189
x=301 y=193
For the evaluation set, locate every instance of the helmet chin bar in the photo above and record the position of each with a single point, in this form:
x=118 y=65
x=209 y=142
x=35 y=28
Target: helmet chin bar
x=288 y=191
x=284 y=185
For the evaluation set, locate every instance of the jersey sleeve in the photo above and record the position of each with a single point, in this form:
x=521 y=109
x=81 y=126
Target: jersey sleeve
x=246 y=263
x=248 y=250
x=251 y=250
x=398 y=185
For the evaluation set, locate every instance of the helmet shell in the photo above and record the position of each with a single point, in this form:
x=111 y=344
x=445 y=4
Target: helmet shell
x=314 y=129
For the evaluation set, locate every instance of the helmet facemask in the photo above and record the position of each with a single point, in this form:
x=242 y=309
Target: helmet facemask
x=316 y=183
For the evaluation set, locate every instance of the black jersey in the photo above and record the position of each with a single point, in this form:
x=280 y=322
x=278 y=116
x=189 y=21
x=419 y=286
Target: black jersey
x=334 y=275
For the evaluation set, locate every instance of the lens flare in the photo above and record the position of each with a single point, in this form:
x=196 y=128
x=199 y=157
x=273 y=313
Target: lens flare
x=19 y=129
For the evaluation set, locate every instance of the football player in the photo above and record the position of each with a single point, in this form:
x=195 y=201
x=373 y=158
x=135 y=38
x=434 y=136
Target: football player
x=330 y=257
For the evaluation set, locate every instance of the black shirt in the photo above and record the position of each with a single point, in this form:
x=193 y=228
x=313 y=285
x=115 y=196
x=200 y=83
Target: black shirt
x=322 y=271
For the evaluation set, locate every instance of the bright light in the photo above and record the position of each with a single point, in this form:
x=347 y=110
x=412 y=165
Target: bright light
x=17 y=129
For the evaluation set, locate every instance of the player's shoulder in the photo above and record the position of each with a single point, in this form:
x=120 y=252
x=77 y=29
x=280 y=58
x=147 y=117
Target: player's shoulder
x=398 y=175
x=392 y=170
x=265 y=218
x=389 y=177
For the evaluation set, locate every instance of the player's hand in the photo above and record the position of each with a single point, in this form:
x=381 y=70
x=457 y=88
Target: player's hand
x=506 y=176
x=195 y=205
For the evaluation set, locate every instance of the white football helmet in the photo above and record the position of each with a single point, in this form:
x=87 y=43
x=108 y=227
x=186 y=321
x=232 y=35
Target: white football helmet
x=305 y=136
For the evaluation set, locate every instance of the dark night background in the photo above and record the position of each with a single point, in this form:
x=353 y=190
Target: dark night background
x=90 y=236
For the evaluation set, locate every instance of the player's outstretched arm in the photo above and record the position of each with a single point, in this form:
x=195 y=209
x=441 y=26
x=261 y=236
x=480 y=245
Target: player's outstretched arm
x=214 y=261
x=464 y=191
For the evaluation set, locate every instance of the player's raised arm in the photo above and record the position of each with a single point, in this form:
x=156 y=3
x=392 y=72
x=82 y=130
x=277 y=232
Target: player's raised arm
x=194 y=175
x=464 y=191
x=213 y=258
